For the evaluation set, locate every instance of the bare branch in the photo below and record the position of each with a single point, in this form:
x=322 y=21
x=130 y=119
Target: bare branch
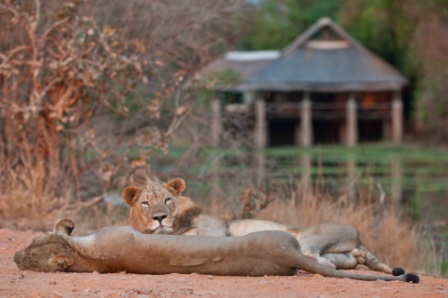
x=52 y=27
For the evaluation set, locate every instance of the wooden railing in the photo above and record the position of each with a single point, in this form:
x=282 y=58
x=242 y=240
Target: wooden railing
x=320 y=110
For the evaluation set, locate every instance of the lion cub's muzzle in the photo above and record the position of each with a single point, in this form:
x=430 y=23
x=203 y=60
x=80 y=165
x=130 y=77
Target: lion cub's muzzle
x=162 y=229
x=161 y=223
x=159 y=218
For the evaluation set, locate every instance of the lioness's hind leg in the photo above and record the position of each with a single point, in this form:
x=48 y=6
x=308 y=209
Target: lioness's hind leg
x=365 y=257
x=321 y=260
x=341 y=260
x=311 y=256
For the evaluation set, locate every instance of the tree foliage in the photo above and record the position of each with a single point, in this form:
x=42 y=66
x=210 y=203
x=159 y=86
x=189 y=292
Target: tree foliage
x=382 y=26
x=277 y=23
x=430 y=47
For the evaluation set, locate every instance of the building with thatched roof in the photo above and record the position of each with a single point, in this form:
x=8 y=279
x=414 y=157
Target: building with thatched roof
x=325 y=87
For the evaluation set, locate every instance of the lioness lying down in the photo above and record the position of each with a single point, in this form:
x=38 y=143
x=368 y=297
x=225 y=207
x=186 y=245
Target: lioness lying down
x=158 y=208
x=117 y=249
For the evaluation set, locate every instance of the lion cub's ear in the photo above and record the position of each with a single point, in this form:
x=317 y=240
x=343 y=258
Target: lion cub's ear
x=64 y=226
x=129 y=194
x=176 y=186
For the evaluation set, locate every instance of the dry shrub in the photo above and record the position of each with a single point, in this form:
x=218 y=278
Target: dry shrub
x=89 y=90
x=384 y=229
x=23 y=200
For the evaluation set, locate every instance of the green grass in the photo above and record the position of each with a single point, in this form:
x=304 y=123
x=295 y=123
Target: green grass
x=444 y=268
x=424 y=171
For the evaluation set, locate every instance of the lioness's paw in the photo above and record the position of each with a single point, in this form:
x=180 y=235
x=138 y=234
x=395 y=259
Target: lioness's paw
x=61 y=261
x=311 y=256
x=359 y=255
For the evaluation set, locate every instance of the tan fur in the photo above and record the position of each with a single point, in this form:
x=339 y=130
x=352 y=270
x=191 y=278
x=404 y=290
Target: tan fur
x=64 y=226
x=150 y=213
x=334 y=245
x=117 y=249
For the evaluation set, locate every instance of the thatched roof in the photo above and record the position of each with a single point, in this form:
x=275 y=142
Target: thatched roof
x=326 y=58
x=247 y=64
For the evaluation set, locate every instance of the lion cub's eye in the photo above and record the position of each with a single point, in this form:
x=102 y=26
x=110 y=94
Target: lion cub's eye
x=168 y=201
x=145 y=204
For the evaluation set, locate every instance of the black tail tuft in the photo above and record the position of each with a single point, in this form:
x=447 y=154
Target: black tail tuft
x=412 y=278
x=397 y=271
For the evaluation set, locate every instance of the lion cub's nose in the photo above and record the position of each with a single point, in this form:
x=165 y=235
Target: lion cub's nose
x=159 y=218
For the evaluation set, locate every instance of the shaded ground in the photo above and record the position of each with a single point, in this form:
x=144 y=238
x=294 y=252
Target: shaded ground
x=15 y=283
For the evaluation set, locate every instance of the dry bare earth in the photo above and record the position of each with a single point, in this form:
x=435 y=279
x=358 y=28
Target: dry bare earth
x=15 y=283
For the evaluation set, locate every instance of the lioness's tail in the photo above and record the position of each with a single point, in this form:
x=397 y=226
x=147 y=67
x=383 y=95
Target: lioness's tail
x=366 y=257
x=305 y=263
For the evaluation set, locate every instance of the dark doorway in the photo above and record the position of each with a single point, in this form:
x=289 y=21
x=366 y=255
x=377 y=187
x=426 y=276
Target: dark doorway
x=281 y=132
x=326 y=131
x=370 y=130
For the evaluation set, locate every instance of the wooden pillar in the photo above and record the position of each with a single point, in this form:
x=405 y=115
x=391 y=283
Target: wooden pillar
x=216 y=125
x=397 y=119
x=306 y=181
x=216 y=130
x=352 y=122
x=397 y=179
x=306 y=126
x=260 y=124
x=351 y=177
x=260 y=138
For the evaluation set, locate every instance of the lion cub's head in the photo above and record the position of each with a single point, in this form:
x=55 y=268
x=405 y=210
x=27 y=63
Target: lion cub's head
x=155 y=207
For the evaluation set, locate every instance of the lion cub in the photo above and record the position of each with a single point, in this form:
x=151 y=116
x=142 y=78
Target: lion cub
x=158 y=208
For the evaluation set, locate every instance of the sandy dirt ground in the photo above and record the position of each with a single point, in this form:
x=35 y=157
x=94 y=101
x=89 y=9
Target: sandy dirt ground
x=16 y=283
